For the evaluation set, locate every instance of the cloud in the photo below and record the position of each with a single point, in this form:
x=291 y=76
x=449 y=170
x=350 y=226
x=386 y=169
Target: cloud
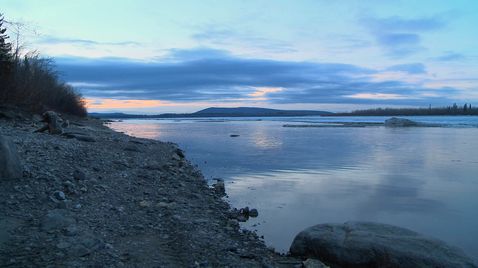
x=122 y=104
x=410 y=68
x=214 y=34
x=227 y=78
x=261 y=92
x=401 y=37
x=200 y=53
x=399 y=24
x=52 y=40
x=224 y=36
x=399 y=44
x=398 y=39
x=378 y=96
x=450 y=56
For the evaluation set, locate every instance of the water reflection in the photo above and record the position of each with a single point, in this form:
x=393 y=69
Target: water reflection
x=147 y=129
x=265 y=140
x=419 y=178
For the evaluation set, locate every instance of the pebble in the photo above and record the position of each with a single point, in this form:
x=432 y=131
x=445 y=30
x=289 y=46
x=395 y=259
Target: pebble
x=71 y=230
x=69 y=186
x=79 y=175
x=63 y=245
x=145 y=204
x=59 y=195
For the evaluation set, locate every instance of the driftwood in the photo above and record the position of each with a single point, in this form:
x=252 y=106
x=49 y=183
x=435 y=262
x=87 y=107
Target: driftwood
x=54 y=123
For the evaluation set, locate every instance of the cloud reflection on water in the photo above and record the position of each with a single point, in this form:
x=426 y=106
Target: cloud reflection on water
x=418 y=178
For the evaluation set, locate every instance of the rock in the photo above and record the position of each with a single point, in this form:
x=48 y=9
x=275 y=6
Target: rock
x=69 y=187
x=364 y=244
x=85 y=245
x=79 y=136
x=136 y=141
x=400 y=122
x=63 y=245
x=180 y=153
x=243 y=214
x=79 y=175
x=71 y=230
x=84 y=138
x=242 y=218
x=64 y=204
x=253 y=213
x=65 y=124
x=165 y=204
x=219 y=187
x=56 y=219
x=313 y=263
x=145 y=204
x=10 y=164
x=131 y=148
x=176 y=157
x=59 y=195
x=244 y=211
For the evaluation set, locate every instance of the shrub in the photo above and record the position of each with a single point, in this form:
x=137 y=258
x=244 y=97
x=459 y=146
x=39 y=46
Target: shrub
x=31 y=82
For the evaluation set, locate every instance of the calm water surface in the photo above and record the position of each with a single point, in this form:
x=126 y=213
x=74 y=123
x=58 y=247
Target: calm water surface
x=424 y=179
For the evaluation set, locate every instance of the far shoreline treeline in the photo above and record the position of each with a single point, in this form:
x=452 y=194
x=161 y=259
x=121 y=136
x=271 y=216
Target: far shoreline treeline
x=217 y=112
x=466 y=109
x=455 y=109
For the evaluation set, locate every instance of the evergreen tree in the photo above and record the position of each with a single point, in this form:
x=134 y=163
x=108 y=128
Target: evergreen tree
x=5 y=51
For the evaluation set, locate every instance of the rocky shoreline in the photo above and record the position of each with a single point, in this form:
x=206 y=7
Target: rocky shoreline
x=111 y=200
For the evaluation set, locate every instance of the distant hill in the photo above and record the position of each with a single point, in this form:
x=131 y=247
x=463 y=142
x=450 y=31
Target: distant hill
x=253 y=111
x=218 y=112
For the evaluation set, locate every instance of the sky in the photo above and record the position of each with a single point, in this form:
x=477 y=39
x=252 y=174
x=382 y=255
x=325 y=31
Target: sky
x=143 y=56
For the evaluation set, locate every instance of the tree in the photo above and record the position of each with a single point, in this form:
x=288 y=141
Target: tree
x=5 y=51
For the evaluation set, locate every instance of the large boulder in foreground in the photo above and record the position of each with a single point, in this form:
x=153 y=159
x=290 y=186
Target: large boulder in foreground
x=365 y=244
x=10 y=164
x=400 y=122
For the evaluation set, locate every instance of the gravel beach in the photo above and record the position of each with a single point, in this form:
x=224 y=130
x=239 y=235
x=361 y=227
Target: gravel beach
x=94 y=197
